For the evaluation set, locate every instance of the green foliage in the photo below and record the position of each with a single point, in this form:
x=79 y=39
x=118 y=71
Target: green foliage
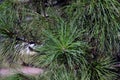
x=15 y=28
x=19 y=77
x=100 y=69
x=76 y=45
x=100 y=20
x=59 y=73
x=62 y=46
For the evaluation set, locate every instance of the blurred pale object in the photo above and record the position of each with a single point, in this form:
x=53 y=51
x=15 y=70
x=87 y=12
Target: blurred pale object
x=24 y=48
